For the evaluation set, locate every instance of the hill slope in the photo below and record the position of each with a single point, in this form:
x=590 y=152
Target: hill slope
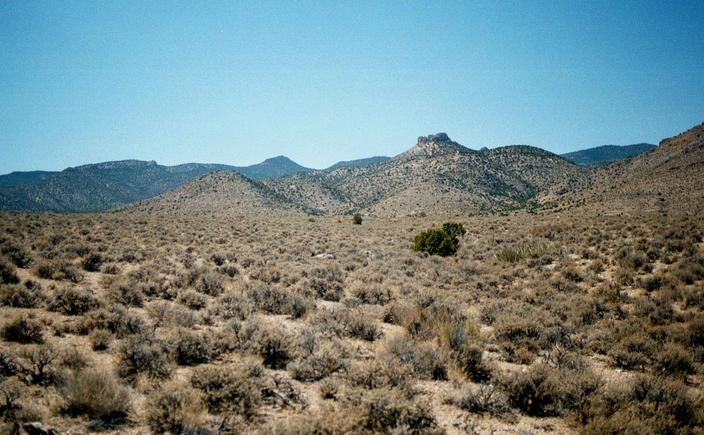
x=359 y=162
x=435 y=175
x=106 y=185
x=671 y=177
x=20 y=178
x=222 y=191
x=605 y=154
x=275 y=167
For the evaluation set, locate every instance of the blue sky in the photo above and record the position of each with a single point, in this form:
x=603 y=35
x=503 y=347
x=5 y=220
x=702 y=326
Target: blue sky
x=236 y=82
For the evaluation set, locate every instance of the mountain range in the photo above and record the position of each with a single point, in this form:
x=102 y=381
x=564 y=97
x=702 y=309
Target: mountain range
x=605 y=154
x=435 y=174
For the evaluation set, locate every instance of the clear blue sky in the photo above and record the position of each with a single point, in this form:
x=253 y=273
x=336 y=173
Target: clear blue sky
x=236 y=82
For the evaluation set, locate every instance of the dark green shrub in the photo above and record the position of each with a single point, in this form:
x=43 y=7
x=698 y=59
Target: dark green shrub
x=20 y=296
x=92 y=263
x=483 y=399
x=7 y=273
x=144 y=355
x=191 y=348
x=230 y=389
x=193 y=300
x=38 y=364
x=357 y=219
x=273 y=345
x=16 y=254
x=443 y=242
x=23 y=330
x=545 y=391
x=100 y=339
x=126 y=293
x=325 y=360
x=382 y=411
x=673 y=360
x=73 y=302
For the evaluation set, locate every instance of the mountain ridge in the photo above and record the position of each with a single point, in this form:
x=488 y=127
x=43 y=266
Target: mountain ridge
x=605 y=154
x=105 y=185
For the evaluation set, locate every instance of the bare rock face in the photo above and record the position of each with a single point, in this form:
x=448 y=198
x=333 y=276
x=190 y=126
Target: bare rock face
x=438 y=138
x=433 y=145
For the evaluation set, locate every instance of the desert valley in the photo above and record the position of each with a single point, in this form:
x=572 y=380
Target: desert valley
x=202 y=299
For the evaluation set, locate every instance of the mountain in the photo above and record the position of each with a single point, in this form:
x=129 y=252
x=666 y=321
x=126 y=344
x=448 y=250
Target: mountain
x=106 y=185
x=221 y=191
x=605 y=154
x=436 y=175
x=274 y=167
x=359 y=162
x=20 y=178
x=670 y=177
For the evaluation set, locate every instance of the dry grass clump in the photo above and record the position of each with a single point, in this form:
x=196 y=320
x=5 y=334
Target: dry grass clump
x=321 y=358
x=58 y=271
x=545 y=391
x=28 y=295
x=482 y=399
x=646 y=405
x=176 y=409
x=118 y=320
x=230 y=389
x=516 y=253
x=96 y=394
x=345 y=322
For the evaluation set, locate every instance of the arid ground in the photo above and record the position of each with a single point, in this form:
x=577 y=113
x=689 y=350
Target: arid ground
x=563 y=321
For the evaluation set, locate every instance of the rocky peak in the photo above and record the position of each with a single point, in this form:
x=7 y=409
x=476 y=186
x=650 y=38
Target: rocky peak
x=437 y=138
x=433 y=145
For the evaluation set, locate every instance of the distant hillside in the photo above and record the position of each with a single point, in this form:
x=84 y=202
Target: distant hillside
x=274 y=167
x=222 y=191
x=22 y=178
x=670 y=177
x=436 y=175
x=359 y=162
x=605 y=154
x=103 y=186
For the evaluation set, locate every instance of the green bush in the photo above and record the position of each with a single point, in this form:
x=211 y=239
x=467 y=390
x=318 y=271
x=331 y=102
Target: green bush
x=357 y=219
x=443 y=242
